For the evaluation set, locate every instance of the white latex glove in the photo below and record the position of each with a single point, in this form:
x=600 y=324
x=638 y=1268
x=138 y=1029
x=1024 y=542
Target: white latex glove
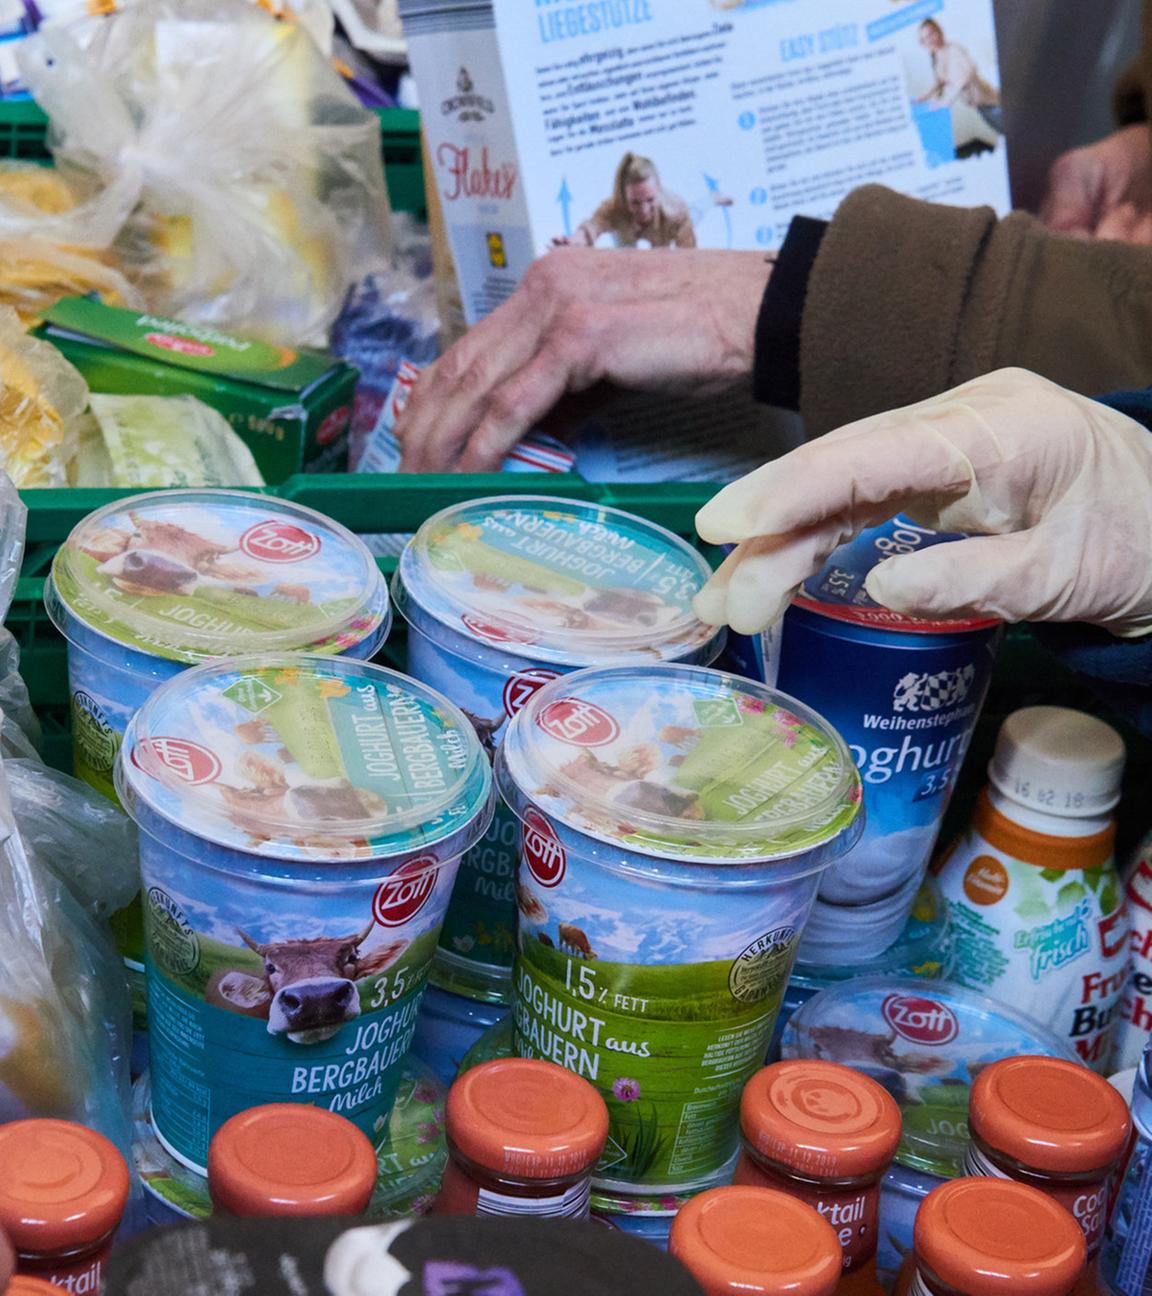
x=1057 y=488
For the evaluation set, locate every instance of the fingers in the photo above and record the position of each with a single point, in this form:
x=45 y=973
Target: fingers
x=1010 y=577
x=1071 y=203
x=754 y=585
x=514 y=408
x=862 y=476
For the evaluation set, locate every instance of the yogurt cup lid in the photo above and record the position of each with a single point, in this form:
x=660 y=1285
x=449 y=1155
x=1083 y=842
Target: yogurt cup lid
x=837 y=590
x=925 y=1042
x=193 y=574
x=682 y=762
x=308 y=758
x=556 y=580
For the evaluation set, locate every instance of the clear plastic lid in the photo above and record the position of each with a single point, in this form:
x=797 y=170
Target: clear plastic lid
x=307 y=758
x=193 y=574
x=925 y=1042
x=556 y=581
x=683 y=762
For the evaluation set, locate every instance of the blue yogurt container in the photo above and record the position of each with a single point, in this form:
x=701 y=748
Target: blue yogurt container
x=150 y=585
x=503 y=595
x=301 y=822
x=906 y=695
x=676 y=821
x=448 y=1026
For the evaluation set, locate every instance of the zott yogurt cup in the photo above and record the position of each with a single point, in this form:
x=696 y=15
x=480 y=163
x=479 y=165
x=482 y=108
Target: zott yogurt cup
x=150 y=585
x=301 y=822
x=503 y=595
x=675 y=823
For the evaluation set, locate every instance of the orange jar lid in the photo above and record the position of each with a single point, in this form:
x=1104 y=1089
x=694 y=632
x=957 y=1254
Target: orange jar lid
x=991 y=1237
x=527 y=1118
x=1049 y=1115
x=752 y=1240
x=820 y=1119
x=62 y=1186
x=22 y=1285
x=290 y=1159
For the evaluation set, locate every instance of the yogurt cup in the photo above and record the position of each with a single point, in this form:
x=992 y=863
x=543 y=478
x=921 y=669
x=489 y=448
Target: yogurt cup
x=411 y=1159
x=150 y=585
x=925 y=1043
x=301 y=821
x=448 y=1026
x=675 y=824
x=503 y=595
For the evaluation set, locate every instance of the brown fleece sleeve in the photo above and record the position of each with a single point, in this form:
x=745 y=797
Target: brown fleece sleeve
x=907 y=299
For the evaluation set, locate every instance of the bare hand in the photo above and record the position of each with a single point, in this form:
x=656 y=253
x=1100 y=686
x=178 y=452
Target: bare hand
x=670 y=320
x=1105 y=190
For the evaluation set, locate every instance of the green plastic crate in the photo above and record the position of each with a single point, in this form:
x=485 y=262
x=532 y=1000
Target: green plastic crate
x=24 y=135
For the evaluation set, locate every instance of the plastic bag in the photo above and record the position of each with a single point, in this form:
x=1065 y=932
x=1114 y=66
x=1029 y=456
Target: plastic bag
x=67 y=860
x=41 y=400
x=243 y=180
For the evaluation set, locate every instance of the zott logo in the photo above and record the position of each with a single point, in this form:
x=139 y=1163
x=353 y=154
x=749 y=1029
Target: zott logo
x=923 y=1021
x=583 y=724
x=400 y=898
x=522 y=687
x=279 y=542
x=543 y=851
x=190 y=762
x=933 y=692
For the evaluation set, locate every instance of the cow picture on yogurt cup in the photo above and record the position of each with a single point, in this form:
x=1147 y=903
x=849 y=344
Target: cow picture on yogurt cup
x=674 y=824
x=503 y=596
x=301 y=820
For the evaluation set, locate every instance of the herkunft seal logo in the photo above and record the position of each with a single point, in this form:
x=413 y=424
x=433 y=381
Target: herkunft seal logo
x=467 y=105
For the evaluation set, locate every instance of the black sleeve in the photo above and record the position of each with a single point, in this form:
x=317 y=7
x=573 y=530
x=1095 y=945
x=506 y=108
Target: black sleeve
x=776 y=371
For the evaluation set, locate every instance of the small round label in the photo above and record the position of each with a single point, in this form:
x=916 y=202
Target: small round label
x=189 y=761
x=923 y=1021
x=761 y=969
x=579 y=723
x=173 y=943
x=400 y=898
x=985 y=880
x=543 y=851
x=279 y=542
x=523 y=686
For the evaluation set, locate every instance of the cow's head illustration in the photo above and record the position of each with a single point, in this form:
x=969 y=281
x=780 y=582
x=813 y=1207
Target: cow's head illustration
x=308 y=990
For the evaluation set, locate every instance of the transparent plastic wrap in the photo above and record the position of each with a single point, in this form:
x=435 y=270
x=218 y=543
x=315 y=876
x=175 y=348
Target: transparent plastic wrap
x=237 y=179
x=67 y=860
x=41 y=400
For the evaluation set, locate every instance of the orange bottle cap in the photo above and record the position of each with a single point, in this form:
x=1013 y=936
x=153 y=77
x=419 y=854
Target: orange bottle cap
x=22 y=1285
x=1049 y=1115
x=61 y=1185
x=820 y=1119
x=290 y=1159
x=528 y=1118
x=990 y=1237
x=750 y=1240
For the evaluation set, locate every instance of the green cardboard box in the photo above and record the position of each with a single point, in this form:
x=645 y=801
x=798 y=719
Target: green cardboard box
x=291 y=407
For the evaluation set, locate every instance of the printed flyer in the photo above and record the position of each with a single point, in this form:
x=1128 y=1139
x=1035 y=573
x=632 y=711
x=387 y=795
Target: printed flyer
x=693 y=123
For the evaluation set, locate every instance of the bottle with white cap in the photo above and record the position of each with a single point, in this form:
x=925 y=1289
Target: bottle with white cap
x=1036 y=902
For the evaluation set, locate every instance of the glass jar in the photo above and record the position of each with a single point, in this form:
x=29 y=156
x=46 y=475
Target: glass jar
x=748 y=1241
x=63 y=1191
x=523 y=1139
x=826 y=1135
x=983 y=1237
x=1056 y=1126
x=289 y=1159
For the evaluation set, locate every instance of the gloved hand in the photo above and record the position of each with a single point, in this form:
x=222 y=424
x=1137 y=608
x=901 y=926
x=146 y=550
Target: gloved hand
x=1057 y=486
